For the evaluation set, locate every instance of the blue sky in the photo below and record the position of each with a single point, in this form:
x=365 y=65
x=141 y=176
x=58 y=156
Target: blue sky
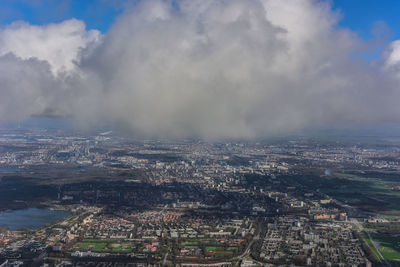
x=358 y=15
x=97 y=14
x=361 y=15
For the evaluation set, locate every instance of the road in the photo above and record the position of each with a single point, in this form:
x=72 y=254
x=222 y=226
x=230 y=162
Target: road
x=247 y=251
x=360 y=229
x=164 y=263
x=377 y=249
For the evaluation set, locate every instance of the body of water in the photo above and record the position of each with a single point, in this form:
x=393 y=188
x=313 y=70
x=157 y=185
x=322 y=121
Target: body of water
x=8 y=169
x=32 y=218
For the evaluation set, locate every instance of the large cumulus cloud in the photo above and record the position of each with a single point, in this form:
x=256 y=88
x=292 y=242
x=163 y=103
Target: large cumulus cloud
x=39 y=67
x=61 y=45
x=204 y=68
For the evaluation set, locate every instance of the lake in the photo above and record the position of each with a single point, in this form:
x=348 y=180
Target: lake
x=9 y=169
x=31 y=218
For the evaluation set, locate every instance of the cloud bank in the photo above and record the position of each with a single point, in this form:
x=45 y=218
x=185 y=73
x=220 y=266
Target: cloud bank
x=201 y=68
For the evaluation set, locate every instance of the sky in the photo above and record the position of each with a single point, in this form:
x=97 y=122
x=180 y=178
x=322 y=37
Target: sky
x=97 y=14
x=358 y=15
x=361 y=15
x=202 y=68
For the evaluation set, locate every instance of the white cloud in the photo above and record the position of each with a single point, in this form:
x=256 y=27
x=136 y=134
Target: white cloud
x=210 y=68
x=58 y=44
x=24 y=87
x=393 y=57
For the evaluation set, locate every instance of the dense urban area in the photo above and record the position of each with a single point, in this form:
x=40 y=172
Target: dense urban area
x=282 y=202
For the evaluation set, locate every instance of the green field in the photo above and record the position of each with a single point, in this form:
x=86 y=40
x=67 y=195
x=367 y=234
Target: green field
x=122 y=250
x=191 y=243
x=371 y=245
x=371 y=192
x=389 y=253
x=212 y=248
x=388 y=245
x=95 y=246
x=104 y=246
